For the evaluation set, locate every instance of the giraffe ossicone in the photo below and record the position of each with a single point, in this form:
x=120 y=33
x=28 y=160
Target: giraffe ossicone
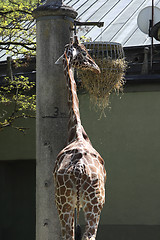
x=79 y=173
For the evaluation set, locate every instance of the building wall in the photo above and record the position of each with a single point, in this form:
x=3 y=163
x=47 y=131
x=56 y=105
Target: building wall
x=128 y=139
x=17 y=181
x=17 y=200
x=14 y=145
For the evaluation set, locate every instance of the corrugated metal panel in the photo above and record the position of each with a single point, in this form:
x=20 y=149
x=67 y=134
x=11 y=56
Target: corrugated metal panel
x=109 y=18
x=119 y=16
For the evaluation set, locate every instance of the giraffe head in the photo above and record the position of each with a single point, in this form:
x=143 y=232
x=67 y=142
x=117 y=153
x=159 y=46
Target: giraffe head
x=79 y=57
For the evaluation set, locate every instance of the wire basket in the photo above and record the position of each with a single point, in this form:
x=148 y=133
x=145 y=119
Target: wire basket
x=109 y=56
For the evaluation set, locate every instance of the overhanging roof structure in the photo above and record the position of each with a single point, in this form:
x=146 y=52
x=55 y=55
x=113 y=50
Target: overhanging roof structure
x=119 y=17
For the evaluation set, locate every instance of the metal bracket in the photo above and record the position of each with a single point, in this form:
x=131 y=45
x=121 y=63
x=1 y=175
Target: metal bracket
x=77 y=23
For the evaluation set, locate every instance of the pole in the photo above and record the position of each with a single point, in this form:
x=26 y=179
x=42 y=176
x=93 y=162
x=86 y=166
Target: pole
x=53 y=22
x=152 y=24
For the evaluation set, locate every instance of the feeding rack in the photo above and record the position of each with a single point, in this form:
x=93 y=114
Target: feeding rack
x=109 y=56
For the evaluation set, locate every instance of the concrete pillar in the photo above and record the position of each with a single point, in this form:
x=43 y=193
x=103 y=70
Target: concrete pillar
x=54 y=22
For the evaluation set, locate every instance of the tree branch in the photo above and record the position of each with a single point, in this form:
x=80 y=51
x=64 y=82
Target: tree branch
x=12 y=28
x=13 y=11
x=9 y=122
x=19 y=43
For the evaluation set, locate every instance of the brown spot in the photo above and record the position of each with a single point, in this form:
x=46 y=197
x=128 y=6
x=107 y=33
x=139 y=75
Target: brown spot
x=91 y=223
x=84 y=177
x=92 y=230
x=94 y=201
x=90 y=189
x=75 y=151
x=58 y=191
x=95 y=182
x=93 y=175
x=100 y=206
x=65 y=177
x=101 y=160
x=85 y=136
x=57 y=199
x=60 y=158
x=92 y=195
x=85 y=186
x=62 y=190
x=59 y=207
x=68 y=151
x=72 y=177
x=89 y=208
x=63 y=222
x=69 y=184
x=56 y=184
x=70 y=198
x=95 y=209
x=68 y=230
x=66 y=207
x=63 y=199
x=77 y=156
x=68 y=192
x=61 y=171
x=77 y=173
x=61 y=216
x=93 y=155
x=66 y=216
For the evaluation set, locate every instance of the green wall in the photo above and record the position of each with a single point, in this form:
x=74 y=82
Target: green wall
x=15 y=145
x=129 y=141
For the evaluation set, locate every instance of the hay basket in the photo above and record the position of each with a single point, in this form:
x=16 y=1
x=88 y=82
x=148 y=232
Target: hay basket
x=109 y=56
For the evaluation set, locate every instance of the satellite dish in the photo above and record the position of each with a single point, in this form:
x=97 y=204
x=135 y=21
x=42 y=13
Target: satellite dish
x=145 y=16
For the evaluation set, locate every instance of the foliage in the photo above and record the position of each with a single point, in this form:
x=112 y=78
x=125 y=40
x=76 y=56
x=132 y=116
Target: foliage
x=17 y=28
x=85 y=39
x=18 y=40
x=17 y=95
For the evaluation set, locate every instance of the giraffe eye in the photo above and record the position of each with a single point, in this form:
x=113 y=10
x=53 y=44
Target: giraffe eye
x=84 y=54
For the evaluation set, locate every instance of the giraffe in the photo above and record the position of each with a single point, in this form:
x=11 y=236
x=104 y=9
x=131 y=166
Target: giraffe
x=79 y=173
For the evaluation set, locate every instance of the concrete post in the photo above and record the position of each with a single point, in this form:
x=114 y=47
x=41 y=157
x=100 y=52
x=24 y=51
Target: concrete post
x=54 y=22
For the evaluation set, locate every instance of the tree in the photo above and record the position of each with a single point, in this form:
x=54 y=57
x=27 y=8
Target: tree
x=17 y=29
x=18 y=40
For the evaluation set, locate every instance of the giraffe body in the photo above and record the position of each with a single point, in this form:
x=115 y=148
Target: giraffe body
x=79 y=173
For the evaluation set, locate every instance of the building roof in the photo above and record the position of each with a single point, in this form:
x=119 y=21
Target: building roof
x=119 y=17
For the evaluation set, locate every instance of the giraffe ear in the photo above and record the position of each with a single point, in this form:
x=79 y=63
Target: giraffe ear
x=59 y=60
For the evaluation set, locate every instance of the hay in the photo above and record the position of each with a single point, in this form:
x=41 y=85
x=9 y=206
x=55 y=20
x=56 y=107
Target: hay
x=110 y=79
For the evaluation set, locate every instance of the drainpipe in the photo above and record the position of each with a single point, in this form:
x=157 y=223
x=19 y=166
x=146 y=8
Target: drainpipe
x=54 y=22
x=145 y=69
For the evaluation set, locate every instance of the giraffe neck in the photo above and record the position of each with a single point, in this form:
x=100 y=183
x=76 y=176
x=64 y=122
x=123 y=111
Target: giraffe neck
x=75 y=129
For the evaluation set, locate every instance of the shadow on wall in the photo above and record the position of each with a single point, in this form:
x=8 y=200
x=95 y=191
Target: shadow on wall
x=17 y=200
x=129 y=232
